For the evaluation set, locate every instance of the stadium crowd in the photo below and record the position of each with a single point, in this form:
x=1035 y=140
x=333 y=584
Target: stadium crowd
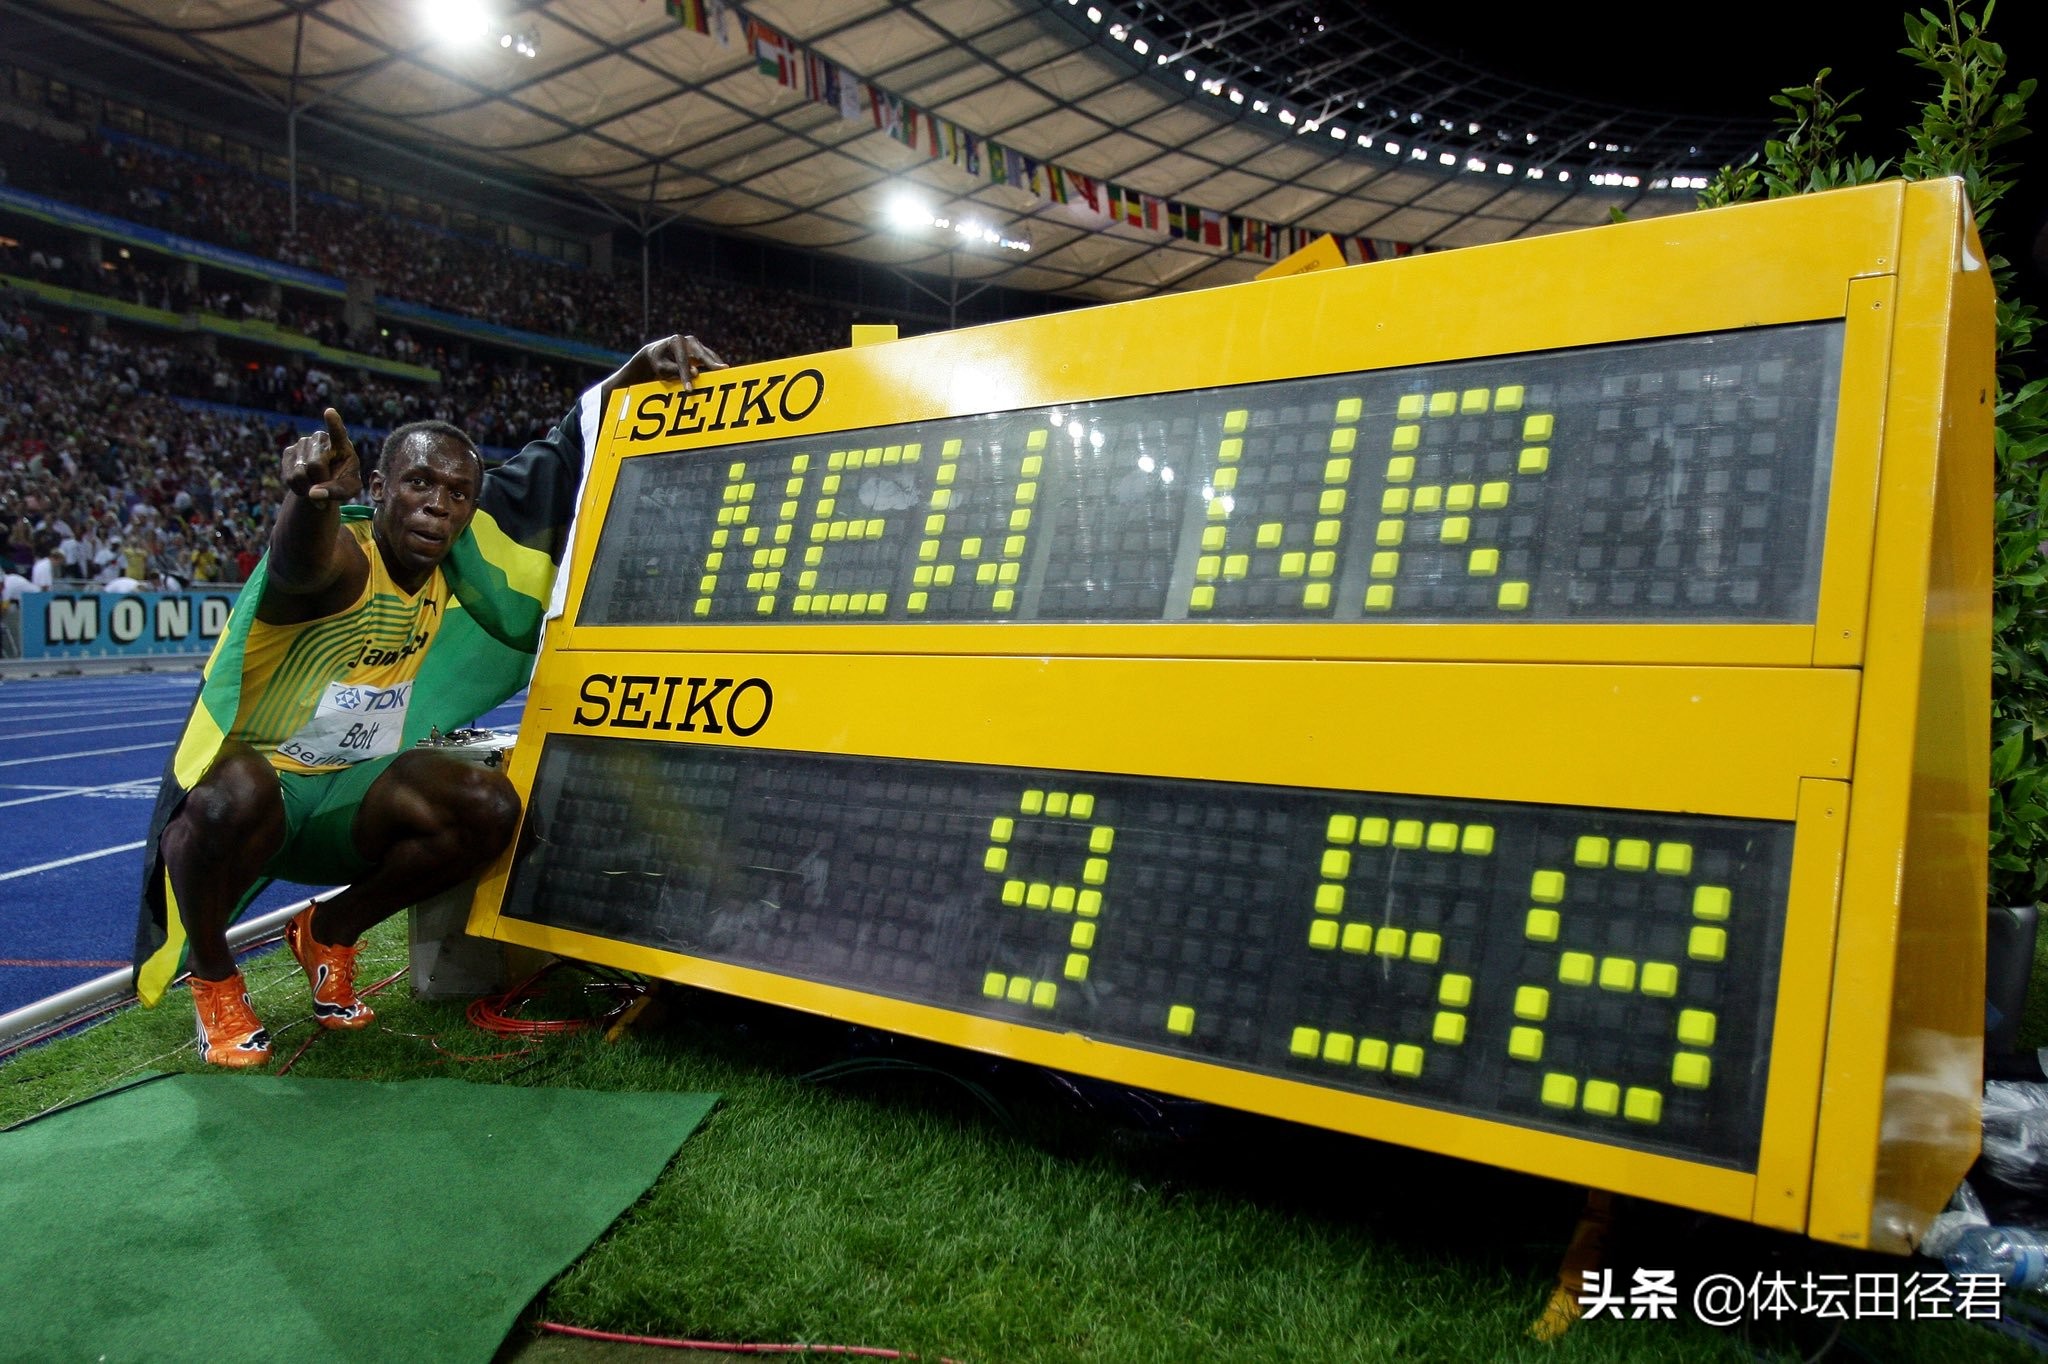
x=409 y=260
x=136 y=459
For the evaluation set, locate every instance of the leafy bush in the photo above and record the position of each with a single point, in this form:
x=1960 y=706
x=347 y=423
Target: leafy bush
x=1965 y=126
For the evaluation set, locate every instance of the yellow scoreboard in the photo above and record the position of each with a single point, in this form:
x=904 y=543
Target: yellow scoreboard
x=1529 y=702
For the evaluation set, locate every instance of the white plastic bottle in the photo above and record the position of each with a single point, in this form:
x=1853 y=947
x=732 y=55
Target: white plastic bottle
x=2016 y=1255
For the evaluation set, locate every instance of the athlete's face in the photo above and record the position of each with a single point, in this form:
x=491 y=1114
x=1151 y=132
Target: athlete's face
x=424 y=494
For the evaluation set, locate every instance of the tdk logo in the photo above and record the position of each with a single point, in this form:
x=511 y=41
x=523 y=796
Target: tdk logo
x=370 y=700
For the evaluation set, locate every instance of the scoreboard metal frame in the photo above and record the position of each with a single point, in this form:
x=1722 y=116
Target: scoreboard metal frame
x=1652 y=864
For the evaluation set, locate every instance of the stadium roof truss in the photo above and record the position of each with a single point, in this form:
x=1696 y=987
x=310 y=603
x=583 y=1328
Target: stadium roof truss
x=1271 y=112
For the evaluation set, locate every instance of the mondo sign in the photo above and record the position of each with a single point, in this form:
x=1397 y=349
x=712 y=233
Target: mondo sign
x=1528 y=702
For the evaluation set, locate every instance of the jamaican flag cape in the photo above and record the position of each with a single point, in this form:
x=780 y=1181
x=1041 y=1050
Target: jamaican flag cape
x=501 y=572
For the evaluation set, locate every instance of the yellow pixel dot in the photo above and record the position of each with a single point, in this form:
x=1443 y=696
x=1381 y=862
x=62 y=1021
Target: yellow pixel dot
x=1674 y=859
x=1560 y=1091
x=1473 y=400
x=1442 y=837
x=1305 y=1042
x=1293 y=564
x=1455 y=530
x=1342 y=440
x=1329 y=898
x=1449 y=1029
x=1407 y=1060
x=1617 y=973
x=1390 y=942
x=1541 y=925
x=1348 y=409
x=1590 y=851
x=1660 y=978
x=1180 y=1019
x=1386 y=564
x=1534 y=459
x=1020 y=989
x=1331 y=502
x=1705 y=943
x=1234 y=420
x=1429 y=499
x=1537 y=426
x=994 y=983
x=1270 y=534
x=1547 y=887
x=1235 y=566
x=1000 y=829
x=1696 y=1027
x=1056 y=803
x=1513 y=596
x=1443 y=403
x=1507 y=398
x=1089 y=904
x=1372 y=1054
x=1032 y=803
x=1225 y=478
x=1408 y=833
x=1405 y=438
x=1691 y=1070
x=1341 y=829
x=1374 y=831
x=1394 y=501
x=1215 y=537
x=1038 y=895
x=1337 y=1048
x=1493 y=495
x=1082 y=806
x=1400 y=469
x=1230 y=450
x=1411 y=405
x=1379 y=597
x=1203 y=598
x=1063 y=903
x=1484 y=563
x=1643 y=1105
x=1575 y=968
x=1095 y=870
x=1329 y=532
x=1013 y=892
x=1455 y=990
x=1602 y=1097
x=1077 y=966
x=1459 y=497
x=996 y=859
x=1101 y=838
x=1477 y=840
x=1710 y=902
x=1425 y=947
x=1321 y=564
x=1315 y=596
x=1083 y=935
x=1336 y=864
x=1043 y=994
x=1356 y=938
x=1632 y=854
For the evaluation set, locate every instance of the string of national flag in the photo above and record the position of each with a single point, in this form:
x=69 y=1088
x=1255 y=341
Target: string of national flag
x=822 y=81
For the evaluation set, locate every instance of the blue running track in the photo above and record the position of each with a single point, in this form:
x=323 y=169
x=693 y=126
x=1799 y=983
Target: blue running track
x=79 y=763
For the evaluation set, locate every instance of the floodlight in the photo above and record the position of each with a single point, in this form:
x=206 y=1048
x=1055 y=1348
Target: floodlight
x=458 y=21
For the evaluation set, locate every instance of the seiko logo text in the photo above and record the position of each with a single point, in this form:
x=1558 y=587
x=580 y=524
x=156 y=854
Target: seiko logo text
x=688 y=705
x=729 y=406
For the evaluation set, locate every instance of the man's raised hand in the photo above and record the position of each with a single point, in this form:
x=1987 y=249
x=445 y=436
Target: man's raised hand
x=322 y=467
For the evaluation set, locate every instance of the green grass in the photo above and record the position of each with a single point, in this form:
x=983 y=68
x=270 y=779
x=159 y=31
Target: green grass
x=856 y=1189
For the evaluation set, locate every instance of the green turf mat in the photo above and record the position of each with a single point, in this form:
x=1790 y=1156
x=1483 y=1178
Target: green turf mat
x=253 y=1217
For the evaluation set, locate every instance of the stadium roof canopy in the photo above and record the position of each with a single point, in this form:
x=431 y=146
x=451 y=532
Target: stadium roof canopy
x=785 y=120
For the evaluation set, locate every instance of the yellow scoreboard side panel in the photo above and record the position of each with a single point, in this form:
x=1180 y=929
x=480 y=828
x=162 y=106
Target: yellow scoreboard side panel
x=1899 y=1120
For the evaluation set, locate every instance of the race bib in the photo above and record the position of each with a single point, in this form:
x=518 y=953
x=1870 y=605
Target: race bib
x=352 y=724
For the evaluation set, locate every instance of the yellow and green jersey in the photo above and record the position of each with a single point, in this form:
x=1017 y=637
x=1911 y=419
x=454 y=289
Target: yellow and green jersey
x=323 y=694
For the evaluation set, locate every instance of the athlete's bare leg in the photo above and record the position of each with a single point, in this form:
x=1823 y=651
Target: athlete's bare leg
x=214 y=849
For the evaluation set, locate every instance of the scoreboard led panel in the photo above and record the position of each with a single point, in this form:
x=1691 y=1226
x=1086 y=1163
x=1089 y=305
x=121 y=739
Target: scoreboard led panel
x=1529 y=702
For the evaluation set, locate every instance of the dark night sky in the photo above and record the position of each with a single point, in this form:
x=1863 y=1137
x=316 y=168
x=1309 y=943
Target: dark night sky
x=1730 y=57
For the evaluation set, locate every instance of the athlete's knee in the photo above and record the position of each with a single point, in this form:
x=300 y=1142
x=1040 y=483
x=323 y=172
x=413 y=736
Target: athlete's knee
x=235 y=806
